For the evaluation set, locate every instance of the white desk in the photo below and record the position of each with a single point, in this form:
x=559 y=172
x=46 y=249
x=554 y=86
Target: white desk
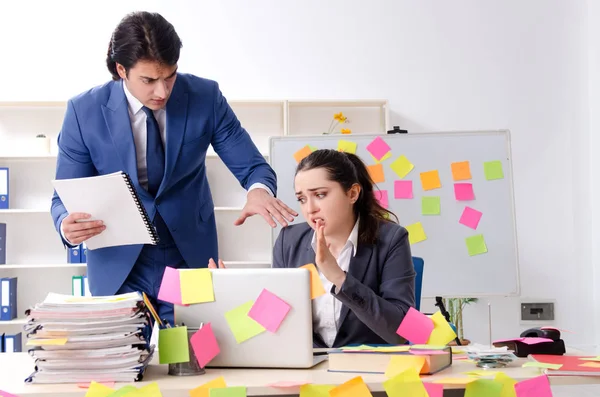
x=15 y=367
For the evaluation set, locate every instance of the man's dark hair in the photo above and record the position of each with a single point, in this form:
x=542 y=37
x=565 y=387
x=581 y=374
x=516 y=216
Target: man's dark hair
x=142 y=36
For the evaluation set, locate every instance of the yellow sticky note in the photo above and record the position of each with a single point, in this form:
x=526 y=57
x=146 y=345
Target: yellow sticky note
x=204 y=390
x=302 y=153
x=392 y=349
x=402 y=362
x=430 y=180
x=376 y=173
x=243 y=326
x=98 y=390
x=401 y=166
x=482 y=373
x=416 y=233
x=151 y=390
x=454 y=381
x=406 y=383
x=47 y=342
x=347 y=146
x=590 y=358
x=124 y=391
x=355 y=387
x=357 y=348
x=196 y=286
x=483 y=387
x=508 y=385
x=461 y=171
x=315 y=390
x=385 y=157
x=536 y=364
x=316 y=285
x=442 y=332
x=590 y=364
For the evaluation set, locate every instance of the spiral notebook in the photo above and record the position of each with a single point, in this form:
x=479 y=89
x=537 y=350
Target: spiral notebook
x=111 y=198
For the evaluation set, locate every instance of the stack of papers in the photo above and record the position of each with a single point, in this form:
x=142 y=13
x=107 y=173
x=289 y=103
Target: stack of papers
x=84 y=339
x=490 y=357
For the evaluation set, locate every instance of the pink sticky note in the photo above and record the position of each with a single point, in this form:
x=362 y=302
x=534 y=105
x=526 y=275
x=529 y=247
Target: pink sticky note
x=470 y=217
x=534 y=387
x=434 y=389
x=415 y=327
x=535 y=341
x=378 y=148
x=403 y=189
x=269 y=310
x=464 y=191
x=205 y=346
x=382 y=197
x=286 y=384
x=170 y=287
x=7 y=394
x=80 y=385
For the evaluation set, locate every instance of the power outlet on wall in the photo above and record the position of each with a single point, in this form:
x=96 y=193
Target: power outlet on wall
x=537 y=311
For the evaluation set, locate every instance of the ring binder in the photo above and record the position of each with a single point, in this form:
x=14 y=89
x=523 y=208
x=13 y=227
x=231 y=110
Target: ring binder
x=149 y=225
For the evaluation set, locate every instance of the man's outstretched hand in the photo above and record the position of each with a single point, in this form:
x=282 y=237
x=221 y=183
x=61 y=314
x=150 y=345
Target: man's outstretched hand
x=261 y=202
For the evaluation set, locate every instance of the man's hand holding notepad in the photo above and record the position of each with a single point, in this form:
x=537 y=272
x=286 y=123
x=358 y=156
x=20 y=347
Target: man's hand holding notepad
x=111 y=199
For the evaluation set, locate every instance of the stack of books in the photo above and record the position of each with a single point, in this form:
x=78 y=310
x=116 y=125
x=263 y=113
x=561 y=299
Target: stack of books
x=84 y=339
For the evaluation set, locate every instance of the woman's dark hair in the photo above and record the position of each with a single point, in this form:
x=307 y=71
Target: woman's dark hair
x=348 y=169
x=142 y=36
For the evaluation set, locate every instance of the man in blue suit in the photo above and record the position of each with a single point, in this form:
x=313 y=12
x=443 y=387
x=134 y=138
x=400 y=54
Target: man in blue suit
x=156 y=124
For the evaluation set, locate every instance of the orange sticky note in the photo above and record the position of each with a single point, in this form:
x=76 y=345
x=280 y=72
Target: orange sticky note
x=461 y=171
x=403 y=362
x=204 y=390
x=376 y=173
x=316 y=286
x=355 y=387
x=302 y=153
x=430 y=180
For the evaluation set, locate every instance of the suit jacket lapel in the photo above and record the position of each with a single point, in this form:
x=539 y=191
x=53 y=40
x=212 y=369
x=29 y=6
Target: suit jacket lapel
x=358 y=268
x=116 y=115
x=176 y=121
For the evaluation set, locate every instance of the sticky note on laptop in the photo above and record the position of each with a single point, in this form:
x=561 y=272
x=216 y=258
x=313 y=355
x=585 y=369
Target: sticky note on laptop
x=196 y=286
x=242 y=326
x=269 y=310
x=170 y=287
x=316 y=286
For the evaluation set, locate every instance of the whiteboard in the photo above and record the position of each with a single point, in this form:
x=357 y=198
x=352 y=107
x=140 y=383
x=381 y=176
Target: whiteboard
x=453 y=268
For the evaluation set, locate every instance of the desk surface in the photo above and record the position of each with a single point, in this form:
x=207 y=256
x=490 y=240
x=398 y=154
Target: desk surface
x=15 y=367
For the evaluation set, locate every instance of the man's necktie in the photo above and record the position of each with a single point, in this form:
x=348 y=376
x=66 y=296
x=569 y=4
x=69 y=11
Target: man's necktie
x=155 y=153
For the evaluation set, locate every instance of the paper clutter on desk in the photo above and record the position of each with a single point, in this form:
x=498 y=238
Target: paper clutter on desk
x=415 y=327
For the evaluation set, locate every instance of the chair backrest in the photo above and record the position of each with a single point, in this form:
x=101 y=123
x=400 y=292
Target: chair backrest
x=418 y=264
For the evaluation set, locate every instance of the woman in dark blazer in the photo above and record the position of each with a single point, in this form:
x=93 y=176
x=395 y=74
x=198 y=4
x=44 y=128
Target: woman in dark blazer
x=363 y=258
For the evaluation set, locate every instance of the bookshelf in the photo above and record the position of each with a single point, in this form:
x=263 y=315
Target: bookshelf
x=34 y=251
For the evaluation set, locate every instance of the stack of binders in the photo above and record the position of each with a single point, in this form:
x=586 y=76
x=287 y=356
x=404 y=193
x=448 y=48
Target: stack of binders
x=84 y=339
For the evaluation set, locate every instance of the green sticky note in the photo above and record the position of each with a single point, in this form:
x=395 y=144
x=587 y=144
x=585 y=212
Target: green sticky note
x=416 y=233
x=430 y=205
x=401 y=166
x=476 y=245
x=313 y=148
x=493 y=170
x=483 y=387
x=123 y=391
x=235 y=391
x=315 y=390
x=242 y=326
x=173 y=345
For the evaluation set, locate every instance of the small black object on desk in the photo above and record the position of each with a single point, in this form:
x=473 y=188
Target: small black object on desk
x=397 y=130
x=521 y=349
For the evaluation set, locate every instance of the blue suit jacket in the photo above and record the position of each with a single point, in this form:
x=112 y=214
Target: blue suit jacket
x=378 y=290
x=96 y=139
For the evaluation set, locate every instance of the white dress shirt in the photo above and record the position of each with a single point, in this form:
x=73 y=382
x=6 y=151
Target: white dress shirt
x=326 y=308
x=140 y=139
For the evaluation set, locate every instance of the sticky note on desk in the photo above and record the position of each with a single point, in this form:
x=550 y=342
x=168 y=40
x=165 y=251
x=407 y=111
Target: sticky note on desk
x=355 y=387
x=205 y=345
x=242 y=326
x=590 y=364
x=493 y=170
x=302 y=153
x=461 y=171
x=430 y=205
x=378 y=148
x=403 y=189
x=151 y=390
x=347 y=146
x=416 y=233
x=434 y=389
x=376 y=173
x=269 y=310
x=95 y=389
x=484 y=387
x=415 y=327
x=430 y=180
x=534 y=387
x=125 y=391
x=47 y=342
x=204 y=390
x=315 y=390
x=235 y=391
x=405 y=383
x=442 y=332
x=476 y=245
x=508 y=384
x=316 y=285
x=196 y=286
x=404 y=364
x=401 y=166
x=170 y=286
x=537 y=364
x=173 y=345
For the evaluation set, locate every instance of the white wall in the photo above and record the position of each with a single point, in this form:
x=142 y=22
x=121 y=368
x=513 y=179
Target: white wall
x=457 y=65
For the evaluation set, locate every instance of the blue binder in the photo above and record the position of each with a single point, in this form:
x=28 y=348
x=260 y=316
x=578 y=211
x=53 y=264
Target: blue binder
x=2 y=243
x=83 y=253
x=3 y=188
x=8 y=298
x=74 y=255
x=13 y=343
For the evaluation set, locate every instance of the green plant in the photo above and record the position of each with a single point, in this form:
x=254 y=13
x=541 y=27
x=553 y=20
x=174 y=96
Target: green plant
x=455 y=307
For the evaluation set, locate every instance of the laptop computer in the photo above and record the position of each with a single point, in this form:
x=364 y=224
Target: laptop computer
x=291 y=346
